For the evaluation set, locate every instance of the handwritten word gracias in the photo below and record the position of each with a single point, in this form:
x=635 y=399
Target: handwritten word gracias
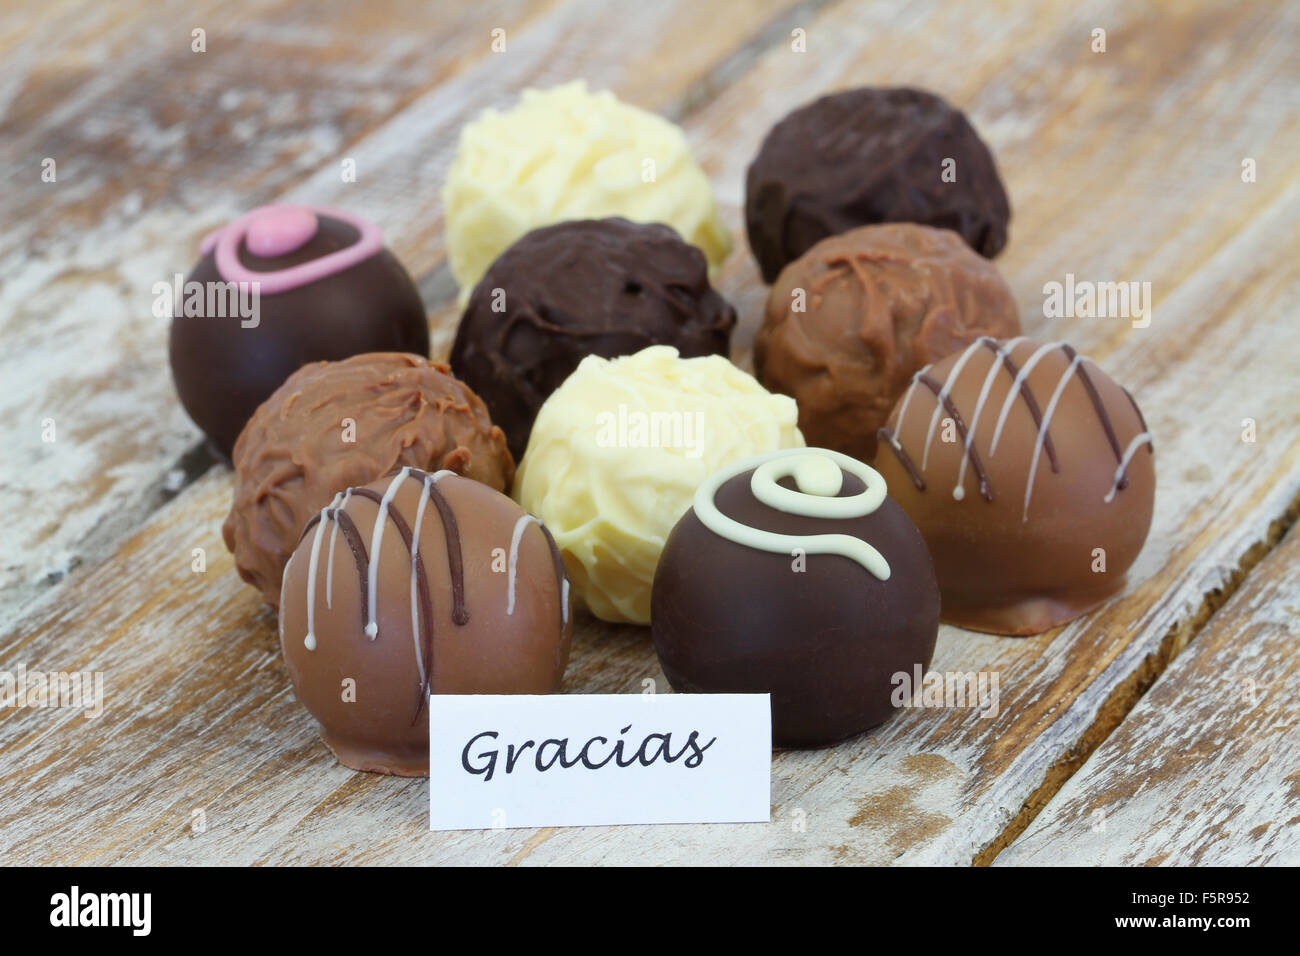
x=593 y=754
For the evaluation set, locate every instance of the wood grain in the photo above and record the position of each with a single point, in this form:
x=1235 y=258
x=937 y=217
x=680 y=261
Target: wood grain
x=1207 y=766
x=1123 y=165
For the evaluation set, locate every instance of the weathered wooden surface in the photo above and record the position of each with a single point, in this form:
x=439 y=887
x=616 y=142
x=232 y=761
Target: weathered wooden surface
x=1207 y=765
x=1121 y=166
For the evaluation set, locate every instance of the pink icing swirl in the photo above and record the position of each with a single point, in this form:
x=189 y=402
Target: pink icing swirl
x=278 y=230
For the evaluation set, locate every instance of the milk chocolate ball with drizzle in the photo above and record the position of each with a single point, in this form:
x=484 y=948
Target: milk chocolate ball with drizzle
x=1031 y=475
x=794 y=574
x=327 y=289
x=417 y=584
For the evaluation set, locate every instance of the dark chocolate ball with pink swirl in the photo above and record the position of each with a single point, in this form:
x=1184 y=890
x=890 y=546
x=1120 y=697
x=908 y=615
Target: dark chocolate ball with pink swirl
x=279 y=287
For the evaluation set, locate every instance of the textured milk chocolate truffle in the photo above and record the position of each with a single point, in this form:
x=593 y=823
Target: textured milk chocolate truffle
x=333 y=425
x=1031 y=475
x=865 y=156
x=327 y=289
x=590 y=287
x=411 y=585
x=794 y=574
x=850 y=321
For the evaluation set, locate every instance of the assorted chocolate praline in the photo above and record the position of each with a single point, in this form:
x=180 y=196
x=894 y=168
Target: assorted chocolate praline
x=392 y=594
x=333 y=425
x=606 y=287
x=326 y=289
x=795 y=575
x=850 y=321
x=1030 y=473
x=866 y=156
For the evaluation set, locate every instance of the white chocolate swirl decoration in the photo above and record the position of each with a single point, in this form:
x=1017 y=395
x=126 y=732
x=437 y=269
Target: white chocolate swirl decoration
x=818 y=475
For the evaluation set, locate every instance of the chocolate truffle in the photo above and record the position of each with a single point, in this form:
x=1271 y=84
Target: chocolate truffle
x=866 y=156
x=333 y=425
x=590 y=287
x=618 y=451
x=1031 y=475
x=794 y=574
x=852 y=319
x=411 y=585
x=321 y=286
x=569 y=153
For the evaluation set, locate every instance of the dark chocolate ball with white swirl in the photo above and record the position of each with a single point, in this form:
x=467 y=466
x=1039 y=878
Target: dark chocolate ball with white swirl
x=794 y=574
x=277 y=288
x=412 y=585
x=1032 y=476
x=606 y=287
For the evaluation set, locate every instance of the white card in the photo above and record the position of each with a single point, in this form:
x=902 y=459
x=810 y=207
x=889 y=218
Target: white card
x=500 y=761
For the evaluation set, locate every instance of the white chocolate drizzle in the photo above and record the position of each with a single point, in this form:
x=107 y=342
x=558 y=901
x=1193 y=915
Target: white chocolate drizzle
x=1042 y=432
x=995 y=367
x=1132 y=449
x=415 y=555
x=310 y=640
x=376 y=540
x=953 y=374
x=818 y=475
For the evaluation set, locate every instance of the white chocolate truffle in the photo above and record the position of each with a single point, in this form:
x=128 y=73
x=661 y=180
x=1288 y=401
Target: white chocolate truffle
x=617 y=453
x=566 y=153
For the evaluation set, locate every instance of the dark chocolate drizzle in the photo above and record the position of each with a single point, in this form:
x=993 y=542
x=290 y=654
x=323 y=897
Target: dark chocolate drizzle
x=561 y=573
x=1107 y=426
x=909 y=466
x=422 y=585
x=1151 y=445
x=1028 y=395
x=355 y=544
x=976 y=465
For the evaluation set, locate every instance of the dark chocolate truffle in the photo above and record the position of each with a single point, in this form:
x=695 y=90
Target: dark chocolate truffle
x=865 y=156
x=326 y=289
x=411 y=585
x=604 y=287
x=333 y=425
x=795 y=575
x=1031 y=475
x=850 y=321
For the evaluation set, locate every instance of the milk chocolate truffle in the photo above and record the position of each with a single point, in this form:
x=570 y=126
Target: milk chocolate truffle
x=333 y=425
x=603 y=287
x=326 y=288
x=866 y=156
x=411 y=585
x=1032 y=477
x=794 y=574
x=851 y=320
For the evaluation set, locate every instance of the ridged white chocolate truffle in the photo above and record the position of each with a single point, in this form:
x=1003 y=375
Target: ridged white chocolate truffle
x=566 y=153
x=617 y=452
